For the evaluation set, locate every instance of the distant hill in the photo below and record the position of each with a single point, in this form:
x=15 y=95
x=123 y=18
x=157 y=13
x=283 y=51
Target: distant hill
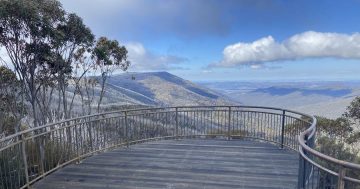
x=159 y=88
x=306 y=92
x=328 y=98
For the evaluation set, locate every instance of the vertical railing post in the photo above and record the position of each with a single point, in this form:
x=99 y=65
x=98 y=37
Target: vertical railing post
x=302 y=169
x=177 y=123
x=24 y=156
x=77 y=140
x=341 y=182
x=283 y=129
x=301 y=175
x=126 y=130
x=229 y=123
x=89 y=130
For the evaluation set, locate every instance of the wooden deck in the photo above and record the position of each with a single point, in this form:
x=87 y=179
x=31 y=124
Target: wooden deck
x=188 y=163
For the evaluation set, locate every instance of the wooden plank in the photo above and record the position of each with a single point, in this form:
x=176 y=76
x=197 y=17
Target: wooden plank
x=188 y=163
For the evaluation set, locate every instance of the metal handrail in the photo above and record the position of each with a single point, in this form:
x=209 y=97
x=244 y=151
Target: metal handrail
x=304 y=147
x=308 y=154
x=144 y=109
x=80 y=137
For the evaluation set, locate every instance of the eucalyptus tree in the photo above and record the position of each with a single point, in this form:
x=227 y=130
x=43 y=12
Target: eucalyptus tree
x=44 y=43
x=12 y=107
x=83 y=80
x=353 y=111
x=27 y=29
x=353 y=115
x=51 y=50
x=72 y=40
x=109 y=56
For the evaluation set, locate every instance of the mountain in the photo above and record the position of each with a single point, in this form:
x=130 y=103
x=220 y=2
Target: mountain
x=159 y=88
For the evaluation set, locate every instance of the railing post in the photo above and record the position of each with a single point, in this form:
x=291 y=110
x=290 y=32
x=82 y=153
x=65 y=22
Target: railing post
x=89 y=130
x=301 y=175
x=24 y=156
x=229 y=124
x=302 y=169
x=77 y=140
x=126 y=130
x=283 y=129
x=341 y=182
x=177 y=124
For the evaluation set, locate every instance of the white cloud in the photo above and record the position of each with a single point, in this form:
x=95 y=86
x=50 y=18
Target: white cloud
x=143 y=60
x=256 y=66
x=207 y=71
x=300 y=46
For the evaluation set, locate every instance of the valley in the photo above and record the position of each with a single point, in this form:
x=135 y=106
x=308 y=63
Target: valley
x=323 y=98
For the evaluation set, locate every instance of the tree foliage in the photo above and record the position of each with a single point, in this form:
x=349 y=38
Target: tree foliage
x=109 y=56
x=12 y=109
x=27 y=33
x=53 y=52
x=337 y=149
x=340 y=137
x=339 y=128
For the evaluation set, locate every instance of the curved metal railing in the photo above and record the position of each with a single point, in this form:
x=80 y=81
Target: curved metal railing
x=317 y=170
x=30 y=155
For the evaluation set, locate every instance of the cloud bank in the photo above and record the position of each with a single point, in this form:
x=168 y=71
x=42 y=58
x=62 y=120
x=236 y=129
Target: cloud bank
x=309 y=44
x=186 y=18
x=142 y=59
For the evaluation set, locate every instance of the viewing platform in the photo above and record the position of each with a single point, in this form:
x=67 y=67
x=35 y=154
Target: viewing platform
x=188 y=163
x=206 y=147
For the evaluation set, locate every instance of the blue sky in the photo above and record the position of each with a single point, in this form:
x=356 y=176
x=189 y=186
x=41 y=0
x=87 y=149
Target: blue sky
x=232 y=39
